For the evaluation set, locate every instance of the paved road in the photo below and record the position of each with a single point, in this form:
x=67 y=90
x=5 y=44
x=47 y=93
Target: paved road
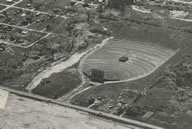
x=9 y=6
x=24 y=113
x=80 y=88
x=182 y=1
x=90 y=111
x=25 y=9
x=15 y=26
x=20 y=27
x=136 y=8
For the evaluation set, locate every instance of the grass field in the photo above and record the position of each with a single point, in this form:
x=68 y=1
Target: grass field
x=2 y=7
x=58 y=84
x=143 y=59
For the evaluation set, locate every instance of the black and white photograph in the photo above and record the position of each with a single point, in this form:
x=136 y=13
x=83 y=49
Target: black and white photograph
x=95 y=64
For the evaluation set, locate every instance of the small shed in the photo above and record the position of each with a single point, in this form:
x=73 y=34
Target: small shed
x=123 y=59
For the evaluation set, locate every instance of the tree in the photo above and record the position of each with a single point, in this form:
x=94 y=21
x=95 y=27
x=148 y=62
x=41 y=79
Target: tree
x=120 y=4
x=48 y=28
x=91 y=100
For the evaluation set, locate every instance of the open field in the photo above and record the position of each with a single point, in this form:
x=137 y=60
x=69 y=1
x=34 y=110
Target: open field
x=143 y=59
x=58 y=84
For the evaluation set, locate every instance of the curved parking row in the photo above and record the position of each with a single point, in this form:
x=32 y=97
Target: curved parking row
x=142 y=59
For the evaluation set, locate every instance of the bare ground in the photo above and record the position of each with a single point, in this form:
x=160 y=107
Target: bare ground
x=22 y=113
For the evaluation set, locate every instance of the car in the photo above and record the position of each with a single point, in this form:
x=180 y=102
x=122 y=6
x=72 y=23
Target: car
x=23 y=14
x=28 y=5
x=24 y=32
x=110 y=106
x=38 y=20
x=19 y=11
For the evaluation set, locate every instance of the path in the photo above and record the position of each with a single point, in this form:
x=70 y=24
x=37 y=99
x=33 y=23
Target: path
x=80 y=88
x=54 y=69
